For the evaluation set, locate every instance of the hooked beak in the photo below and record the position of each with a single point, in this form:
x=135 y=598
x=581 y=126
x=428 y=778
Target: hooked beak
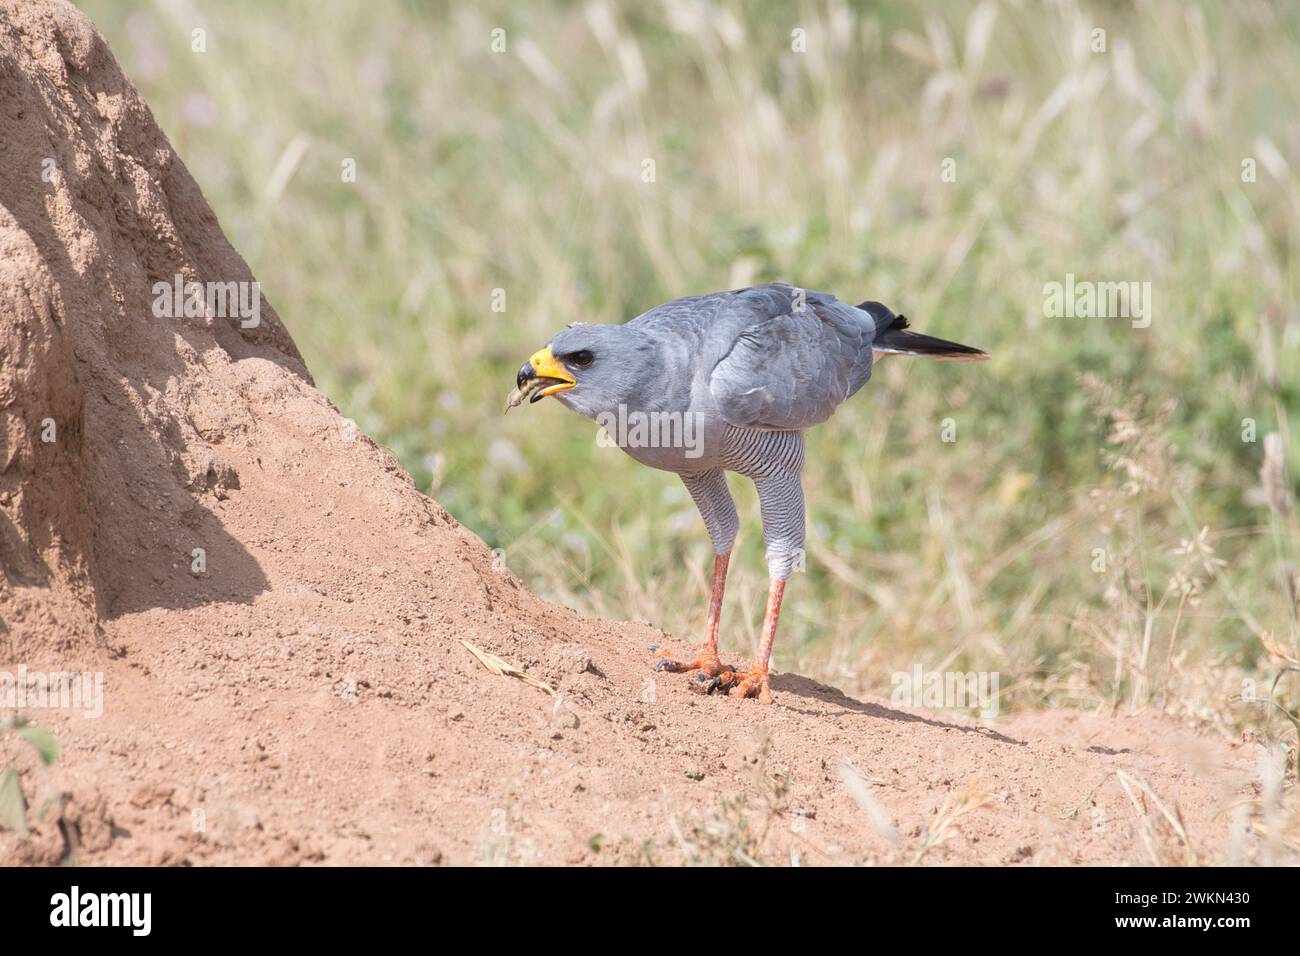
x=545 y=367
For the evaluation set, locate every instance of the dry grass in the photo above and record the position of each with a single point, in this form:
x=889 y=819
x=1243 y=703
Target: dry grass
x=735 y=832
x=503 y=668
x=947 y=818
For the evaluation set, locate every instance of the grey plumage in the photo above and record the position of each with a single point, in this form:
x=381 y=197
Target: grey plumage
x=753 y=368
x=793 y=358
x=746 y=372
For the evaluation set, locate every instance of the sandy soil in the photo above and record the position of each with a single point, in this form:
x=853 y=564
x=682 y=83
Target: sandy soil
x=307 y=699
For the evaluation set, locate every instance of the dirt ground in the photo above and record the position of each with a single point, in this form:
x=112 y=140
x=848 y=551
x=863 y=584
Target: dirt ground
x=304 y=697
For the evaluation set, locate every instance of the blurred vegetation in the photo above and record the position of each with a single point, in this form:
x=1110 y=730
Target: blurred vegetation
x=522 y=170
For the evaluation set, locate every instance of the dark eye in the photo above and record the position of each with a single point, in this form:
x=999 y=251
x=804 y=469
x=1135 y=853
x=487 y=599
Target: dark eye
x=582 y=358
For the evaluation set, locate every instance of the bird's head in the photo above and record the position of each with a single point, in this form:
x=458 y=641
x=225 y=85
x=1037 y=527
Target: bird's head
x=589 y=368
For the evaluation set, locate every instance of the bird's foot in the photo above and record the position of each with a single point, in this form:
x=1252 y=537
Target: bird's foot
x=755 y=682
x=705 y=661
x=716 y=677
x=712 y=674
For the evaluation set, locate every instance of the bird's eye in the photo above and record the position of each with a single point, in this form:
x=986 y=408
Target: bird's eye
x=582 y=358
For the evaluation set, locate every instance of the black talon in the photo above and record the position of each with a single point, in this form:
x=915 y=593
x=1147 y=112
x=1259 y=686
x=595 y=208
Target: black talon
x=663 y=662
x=654 y=648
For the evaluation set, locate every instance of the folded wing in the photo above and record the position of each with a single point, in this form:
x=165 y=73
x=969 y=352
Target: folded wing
x=796 y=356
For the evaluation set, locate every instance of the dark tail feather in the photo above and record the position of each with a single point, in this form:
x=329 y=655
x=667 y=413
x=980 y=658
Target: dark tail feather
x=897 y=339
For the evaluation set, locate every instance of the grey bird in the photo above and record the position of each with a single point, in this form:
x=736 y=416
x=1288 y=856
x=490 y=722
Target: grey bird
x=728 y=382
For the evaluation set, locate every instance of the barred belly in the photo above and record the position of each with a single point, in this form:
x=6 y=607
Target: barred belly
x=774 y=460
x=755 y=453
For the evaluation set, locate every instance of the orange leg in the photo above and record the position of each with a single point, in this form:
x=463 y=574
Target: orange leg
x=707 y=659
x=755 y=682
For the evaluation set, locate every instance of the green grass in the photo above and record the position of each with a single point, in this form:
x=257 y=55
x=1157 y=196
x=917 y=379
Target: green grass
x=522 y=171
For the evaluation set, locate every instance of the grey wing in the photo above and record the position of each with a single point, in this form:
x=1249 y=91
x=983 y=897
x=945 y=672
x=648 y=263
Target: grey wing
x=793 y=363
